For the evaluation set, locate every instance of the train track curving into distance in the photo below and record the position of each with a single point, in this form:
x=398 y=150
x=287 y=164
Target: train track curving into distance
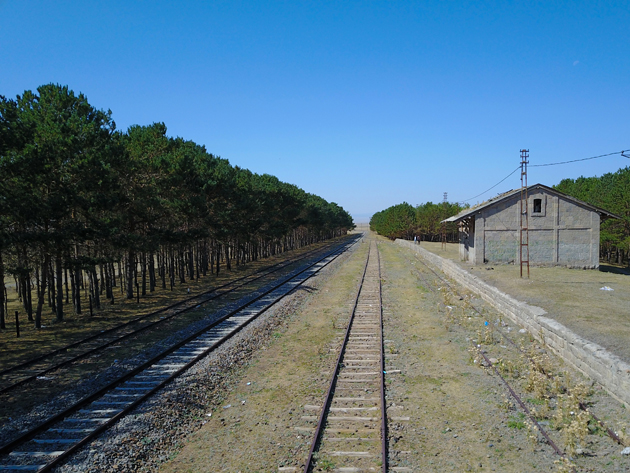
x=53 y=441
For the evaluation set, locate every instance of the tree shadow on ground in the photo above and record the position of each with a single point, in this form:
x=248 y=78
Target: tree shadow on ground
x=608 y=268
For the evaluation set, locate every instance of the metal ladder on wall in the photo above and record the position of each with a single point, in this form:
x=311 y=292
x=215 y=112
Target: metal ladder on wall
x=524 y=215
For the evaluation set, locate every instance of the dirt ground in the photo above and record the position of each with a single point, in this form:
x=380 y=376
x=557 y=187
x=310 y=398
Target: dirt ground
x=574 y=297
x=446 y=411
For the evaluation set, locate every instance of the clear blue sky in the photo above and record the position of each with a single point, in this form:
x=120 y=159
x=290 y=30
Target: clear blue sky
x=367 y=104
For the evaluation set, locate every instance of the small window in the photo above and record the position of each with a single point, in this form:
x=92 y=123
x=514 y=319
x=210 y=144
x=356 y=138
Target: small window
x=537 y=206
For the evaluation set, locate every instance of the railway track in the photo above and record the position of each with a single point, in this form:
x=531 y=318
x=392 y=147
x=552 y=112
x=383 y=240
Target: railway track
x=57 y=438
x=351 y=431
x=42 y=365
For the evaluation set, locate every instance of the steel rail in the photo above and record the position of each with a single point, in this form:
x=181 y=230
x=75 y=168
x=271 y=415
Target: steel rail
x=526 y=409
x=89 y=352
x=384 y=444
x=581 y=405
x=331 y=387
x=450 y=286
x=611 y=433
x=92 y=397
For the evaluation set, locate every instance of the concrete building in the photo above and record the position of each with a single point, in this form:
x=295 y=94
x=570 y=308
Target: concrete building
x=563 y=231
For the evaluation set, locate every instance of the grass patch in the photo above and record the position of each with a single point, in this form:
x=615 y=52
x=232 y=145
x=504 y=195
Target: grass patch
x=538 y=402
x=517 y=422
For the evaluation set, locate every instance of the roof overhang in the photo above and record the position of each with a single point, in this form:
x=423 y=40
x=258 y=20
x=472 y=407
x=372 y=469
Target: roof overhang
x=604 y=214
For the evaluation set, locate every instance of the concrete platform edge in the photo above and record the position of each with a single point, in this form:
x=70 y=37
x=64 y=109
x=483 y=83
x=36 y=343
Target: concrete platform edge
x=591 y=359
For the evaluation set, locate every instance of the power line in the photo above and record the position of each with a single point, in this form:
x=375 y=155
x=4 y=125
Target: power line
x=576 y=160
x=463 y=201
x=622 y=153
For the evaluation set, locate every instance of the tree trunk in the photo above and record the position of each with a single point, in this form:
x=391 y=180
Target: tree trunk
x=162 y=264
x=103 y=282
x=181 y=266
x=96 y=297
x=113 y=273
x=41 y=297
x=73 y=289
x=171 y=267
x=77 y=291
x=59 y=287
x=197 y=261
x=121 y=276
x=228 y=263
x=152 y=281
x=129 y=274
x=204 y=259
x=191 y=264
x=51 y=288
x=24 y=290
x=108 y=281
x=29 y=297
x=211 y=259
x=65 y=272
x=2 y=314
x=144 y=273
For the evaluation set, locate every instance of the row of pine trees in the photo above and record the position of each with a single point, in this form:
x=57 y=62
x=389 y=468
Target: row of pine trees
x=85 y=206
x=423 y=221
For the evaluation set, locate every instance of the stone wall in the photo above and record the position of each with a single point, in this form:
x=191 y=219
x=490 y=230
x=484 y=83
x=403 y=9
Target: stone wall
x=589 y=358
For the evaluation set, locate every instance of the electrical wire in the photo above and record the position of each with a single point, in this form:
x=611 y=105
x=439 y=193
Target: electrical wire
x=576 y=160
x=464 y=201
x=542 y=165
